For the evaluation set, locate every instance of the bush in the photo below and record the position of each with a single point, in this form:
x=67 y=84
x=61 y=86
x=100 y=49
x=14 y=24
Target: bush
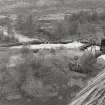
x=73 y=28
x=89 y=65
x=88 y=29
x=27 y=25
x=58 y=32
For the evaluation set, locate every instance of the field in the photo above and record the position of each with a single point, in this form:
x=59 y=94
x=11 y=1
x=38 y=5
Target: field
x=48 y=76
x=52 y=70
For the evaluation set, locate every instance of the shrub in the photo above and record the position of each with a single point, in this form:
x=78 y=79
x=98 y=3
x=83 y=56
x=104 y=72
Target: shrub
x=88 y=64
x=73 y=28
x=58 y=33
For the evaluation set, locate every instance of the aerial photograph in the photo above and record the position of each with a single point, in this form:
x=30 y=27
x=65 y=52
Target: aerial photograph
x=52 y=52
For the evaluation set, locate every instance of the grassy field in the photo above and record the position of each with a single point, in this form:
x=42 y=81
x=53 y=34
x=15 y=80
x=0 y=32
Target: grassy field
x=52 y=68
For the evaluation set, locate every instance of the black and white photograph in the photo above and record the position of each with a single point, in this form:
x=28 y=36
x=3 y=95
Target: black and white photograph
x=52 y=52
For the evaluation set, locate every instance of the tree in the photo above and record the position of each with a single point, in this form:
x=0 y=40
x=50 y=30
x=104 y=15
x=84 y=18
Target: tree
x=20 y=23
x=59 y=32
x=94 y=17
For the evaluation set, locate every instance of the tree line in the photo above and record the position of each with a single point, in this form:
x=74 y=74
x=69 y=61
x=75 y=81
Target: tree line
x=77 y=24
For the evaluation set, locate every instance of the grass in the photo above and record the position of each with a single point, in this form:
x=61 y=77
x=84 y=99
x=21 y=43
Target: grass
x=45 y=72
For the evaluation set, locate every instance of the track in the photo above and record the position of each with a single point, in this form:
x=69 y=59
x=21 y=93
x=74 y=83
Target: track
x=95 y=83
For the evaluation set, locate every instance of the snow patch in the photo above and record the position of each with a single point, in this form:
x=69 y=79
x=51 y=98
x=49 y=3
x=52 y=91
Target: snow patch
x=74 y=45
x=93 y=49
x=102 y=56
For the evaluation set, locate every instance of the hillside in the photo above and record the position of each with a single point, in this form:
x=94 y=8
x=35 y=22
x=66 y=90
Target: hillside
x=24 y=6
